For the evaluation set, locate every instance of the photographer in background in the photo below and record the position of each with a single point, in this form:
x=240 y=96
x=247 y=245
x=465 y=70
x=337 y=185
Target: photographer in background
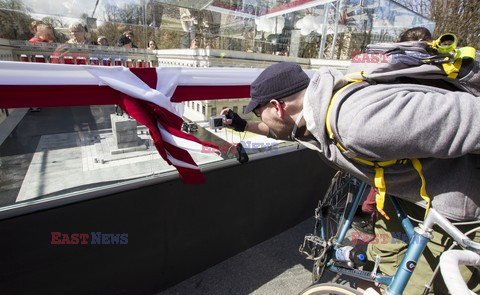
x=131 y=36
x=281 y=86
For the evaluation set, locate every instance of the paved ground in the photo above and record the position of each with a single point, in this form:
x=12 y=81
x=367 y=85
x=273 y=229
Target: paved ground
x=274 y=267
x=19 y=147
x=67 y=160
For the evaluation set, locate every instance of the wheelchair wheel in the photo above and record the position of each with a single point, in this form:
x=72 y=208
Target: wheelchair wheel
x=335 y=289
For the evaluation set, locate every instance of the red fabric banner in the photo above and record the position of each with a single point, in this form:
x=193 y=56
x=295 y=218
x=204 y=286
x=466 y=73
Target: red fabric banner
x=149 y=114
x=25 y=96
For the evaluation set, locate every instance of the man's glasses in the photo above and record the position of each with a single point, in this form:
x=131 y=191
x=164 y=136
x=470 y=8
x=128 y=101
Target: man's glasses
x=257 y=111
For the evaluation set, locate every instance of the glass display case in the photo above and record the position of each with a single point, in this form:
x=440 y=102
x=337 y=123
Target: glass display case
x=62 y=151
x=285 y=28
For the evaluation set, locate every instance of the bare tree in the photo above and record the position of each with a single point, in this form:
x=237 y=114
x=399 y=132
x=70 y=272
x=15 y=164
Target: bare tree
x=135 y=18
x=57 y=22
x=460 y=17
x=419 y=6
x=14 y=20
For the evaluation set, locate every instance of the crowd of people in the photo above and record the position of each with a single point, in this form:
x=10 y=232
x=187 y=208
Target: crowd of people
x=79 y=34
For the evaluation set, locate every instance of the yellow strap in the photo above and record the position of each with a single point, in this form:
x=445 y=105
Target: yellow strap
x=328 y=125
x=465 y=52
x=379 y=171
x=329 y=109
x=452 y=70
x=354 y=77
x=440 y=45
x=381 y=191
x=423 y=189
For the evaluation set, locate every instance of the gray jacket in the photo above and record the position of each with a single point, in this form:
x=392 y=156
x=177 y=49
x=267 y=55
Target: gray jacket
x=396 y=121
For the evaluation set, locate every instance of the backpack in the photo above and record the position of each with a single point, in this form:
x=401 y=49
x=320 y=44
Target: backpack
x=438 y=63
x=421 y=62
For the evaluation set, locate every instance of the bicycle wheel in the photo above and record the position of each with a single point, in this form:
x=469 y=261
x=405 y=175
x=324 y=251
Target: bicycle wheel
x=330 y=216
x=334 y=205
x=334 y=289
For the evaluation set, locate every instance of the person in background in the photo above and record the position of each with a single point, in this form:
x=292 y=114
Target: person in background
x=124 y=41
x=129 y=35
x=195 y=43
x=44 y=33
x=416 y=34
x=78 y=34
x=152 y=45
x=189 y=24
x=102 y=41
x=33 y=26
x=88 y=36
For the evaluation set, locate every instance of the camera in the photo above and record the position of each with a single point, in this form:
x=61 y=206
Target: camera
x=217 y=122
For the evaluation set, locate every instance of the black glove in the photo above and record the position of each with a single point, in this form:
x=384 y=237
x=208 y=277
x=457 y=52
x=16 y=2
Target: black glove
x=238 y=123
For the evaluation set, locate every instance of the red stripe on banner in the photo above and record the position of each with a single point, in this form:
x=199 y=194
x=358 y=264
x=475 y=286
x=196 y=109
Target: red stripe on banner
x=179 y=154
x=195 y=176
x=145 y=113
x=175 y=124
x=166 y=116
x=187 y=136
x=140 y=112
x=188 y=93
x=156 y=114
x=147 y=75
x=25 y=96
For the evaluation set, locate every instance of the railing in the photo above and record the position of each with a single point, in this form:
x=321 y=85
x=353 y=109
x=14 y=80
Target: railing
x=230 y=58
x=12 y=50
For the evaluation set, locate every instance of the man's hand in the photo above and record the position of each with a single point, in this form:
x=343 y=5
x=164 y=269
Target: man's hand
x=234 y=120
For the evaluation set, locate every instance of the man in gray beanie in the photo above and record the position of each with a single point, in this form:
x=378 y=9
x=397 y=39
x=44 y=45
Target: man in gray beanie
x=277 y=97
x=380 y=122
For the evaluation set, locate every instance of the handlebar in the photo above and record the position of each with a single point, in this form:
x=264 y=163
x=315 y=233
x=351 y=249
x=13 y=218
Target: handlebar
x=449 y=265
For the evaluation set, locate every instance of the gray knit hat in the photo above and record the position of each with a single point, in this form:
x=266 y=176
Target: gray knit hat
x=277 y=81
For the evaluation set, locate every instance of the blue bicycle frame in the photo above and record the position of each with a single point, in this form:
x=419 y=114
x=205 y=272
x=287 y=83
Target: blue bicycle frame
x=418 y=241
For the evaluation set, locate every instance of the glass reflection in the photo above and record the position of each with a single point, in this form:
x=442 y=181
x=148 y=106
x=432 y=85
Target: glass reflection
x=56 y=151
